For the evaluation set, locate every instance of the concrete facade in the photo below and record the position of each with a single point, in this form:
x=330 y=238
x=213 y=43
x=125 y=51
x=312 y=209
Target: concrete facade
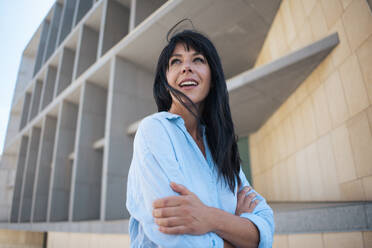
x=331 y=160
x=300 y=92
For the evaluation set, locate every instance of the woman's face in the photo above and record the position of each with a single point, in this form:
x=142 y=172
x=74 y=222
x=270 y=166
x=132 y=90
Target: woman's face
x=189 y=73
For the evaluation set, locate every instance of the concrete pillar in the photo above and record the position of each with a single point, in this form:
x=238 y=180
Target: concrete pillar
x=82 y=7
x=25 y=75
x=7 y=179
x=21 y=161
x=114 y=25
x=144 y=8
x=48 y=87
x=35 y=100
x=87 y=167
x=42 y=178
x=42 y=45
x=66 y=20
x=13 y=127
x=25 y=110
x=54 y=27
x=86 y=53
x=132 y=15
x=65 y=70
x=60 y=181
x=29 y=175
x=129 y=100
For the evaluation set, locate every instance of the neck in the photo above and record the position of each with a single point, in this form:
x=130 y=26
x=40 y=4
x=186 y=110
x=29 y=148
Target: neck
x=189 y=119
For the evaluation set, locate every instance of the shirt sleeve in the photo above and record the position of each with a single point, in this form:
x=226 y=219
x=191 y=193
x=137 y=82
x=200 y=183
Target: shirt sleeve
x=154 y=165
x=262 y=216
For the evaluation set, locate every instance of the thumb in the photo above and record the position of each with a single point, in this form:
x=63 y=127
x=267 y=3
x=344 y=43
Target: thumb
x=179 y=188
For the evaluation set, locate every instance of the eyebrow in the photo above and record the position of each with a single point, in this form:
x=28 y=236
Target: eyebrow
x=179 y=55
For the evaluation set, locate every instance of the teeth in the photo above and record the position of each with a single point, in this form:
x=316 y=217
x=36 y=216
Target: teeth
x=188 y=83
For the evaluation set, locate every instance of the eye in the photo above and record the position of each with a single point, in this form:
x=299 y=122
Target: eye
x=199 y=59
x=174 y=61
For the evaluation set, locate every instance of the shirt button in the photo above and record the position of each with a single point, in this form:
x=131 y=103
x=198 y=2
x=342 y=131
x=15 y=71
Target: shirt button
x=214 y=243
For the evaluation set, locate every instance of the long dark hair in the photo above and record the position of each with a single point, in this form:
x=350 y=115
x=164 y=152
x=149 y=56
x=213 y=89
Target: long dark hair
x=216 y=115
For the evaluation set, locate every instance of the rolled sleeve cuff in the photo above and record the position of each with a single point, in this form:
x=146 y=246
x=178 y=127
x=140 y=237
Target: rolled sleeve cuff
x=266 y=238
x=217 y=242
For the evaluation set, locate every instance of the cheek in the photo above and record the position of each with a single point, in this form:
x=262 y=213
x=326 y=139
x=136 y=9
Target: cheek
x=171 y=77
x=207 y=78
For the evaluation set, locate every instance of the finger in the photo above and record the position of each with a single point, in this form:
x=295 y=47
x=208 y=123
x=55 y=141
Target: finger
x=171 y=221
x=174 y=230
x=248 y=199
x=254 y=204
x=246 y=188
x=168 y=212
x=179 y=188
x=241 y=197
x=242 y=194
x=171 y=201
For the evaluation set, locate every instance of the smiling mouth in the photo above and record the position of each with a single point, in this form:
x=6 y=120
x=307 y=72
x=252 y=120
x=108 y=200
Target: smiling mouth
x=188 y=84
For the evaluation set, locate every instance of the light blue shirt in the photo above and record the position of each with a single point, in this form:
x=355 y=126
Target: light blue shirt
x=165 y=152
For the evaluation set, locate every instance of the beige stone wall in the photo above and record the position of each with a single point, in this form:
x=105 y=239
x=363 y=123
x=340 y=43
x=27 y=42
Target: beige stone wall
x=91 y=240
x=318 y=145
x=324 y=240
x=21 y=239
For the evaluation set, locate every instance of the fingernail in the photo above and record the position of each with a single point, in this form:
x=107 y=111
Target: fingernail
x=156 y=212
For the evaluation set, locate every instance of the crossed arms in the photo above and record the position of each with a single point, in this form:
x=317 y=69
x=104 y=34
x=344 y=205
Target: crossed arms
x=170 y=215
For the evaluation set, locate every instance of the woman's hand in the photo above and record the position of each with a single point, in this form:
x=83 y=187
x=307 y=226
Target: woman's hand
x=183 y=214
x=245 y=203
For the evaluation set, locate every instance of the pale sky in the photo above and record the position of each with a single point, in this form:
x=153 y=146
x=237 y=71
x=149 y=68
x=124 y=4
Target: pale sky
x=18 y=22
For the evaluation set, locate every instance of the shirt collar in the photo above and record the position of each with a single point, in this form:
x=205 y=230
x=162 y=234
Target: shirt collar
x=171 y=116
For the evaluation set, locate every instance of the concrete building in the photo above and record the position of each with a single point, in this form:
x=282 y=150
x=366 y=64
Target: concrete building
x=300 y=84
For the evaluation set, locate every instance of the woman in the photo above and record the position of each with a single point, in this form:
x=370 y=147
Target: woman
x=185 y=184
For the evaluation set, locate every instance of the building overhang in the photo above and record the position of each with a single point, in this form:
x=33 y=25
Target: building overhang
x=256 y=94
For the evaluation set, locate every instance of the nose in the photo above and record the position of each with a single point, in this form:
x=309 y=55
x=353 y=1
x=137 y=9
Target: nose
x=186 y=68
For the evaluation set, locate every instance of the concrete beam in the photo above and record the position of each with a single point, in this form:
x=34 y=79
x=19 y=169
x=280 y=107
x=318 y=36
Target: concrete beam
x=43 y=170
x=87 y=166
x=322 y=217
x=129 y=99
x=21 y=161
x=29 y=175
x=119 y=227
x=60 y=181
